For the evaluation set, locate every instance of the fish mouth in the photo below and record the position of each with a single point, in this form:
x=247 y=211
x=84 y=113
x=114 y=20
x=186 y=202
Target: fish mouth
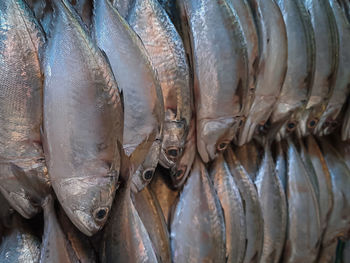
x=178 y=176
x=165 y=161
x=85 y=222
x=247 y=132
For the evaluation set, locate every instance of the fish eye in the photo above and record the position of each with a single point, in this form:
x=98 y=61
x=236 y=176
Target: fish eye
x=148 y=174
x=100 y=213
x=312 y=123
x=222 y=146
x=291 y=126
x=172 y=152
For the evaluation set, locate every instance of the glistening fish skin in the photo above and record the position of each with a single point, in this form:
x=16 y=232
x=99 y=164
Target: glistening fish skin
x=166 y=50
x=123 y=6
x=21 y=94
x=274 y=209
x=83 y=119
x=328 y=120
x=232 y=205
x=197 y=229
x=220 y=73
x=253 y=212
x=125 y=238
x=19 y=244
x=143 y=100
x=272 y=65
x=304 y=226
x=249 y=156
x=151 y=215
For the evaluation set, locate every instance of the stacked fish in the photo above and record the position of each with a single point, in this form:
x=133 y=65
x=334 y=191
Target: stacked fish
x=174 y=131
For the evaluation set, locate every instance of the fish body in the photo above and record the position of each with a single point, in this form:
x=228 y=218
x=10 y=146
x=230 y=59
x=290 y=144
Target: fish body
x=272 y=65
x=143 y=101
x=252 y=208
x=249 y=156
x=123 y=6
x=274 y=209
x=83 y=122
x=19 y=244
x=166 y=50
x=21 y=95
x=232 y=205
x=220 y=73
x=304 y=226
x=197 y=230
x=281 y=163
x=328 y=120
x=326 y=64
x=151 y=215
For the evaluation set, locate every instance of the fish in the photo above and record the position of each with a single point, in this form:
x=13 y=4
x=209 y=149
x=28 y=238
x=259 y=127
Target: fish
x=339 y=220
x=55 y=246
x=304 y=226
x=323 y=178
x=281 y=163
x=346 y=252
x=151 y=215
x=125 y=238
x=345 y=130
x=161 y=187
x=123 y=6
x=300 y=65
x=328 y=121
x=232 y=205
x=84 y=9
x=21 y=115
x=138 y=81
x=166 y=50
x=272 y=65
x=20 y=244
x=180 y=171
x=81 y=146
x=326 y=65
x=252 y=208
x=221 y=85
x=197 y=230
x=251 y=38
x=250 y=157
x=274 y=208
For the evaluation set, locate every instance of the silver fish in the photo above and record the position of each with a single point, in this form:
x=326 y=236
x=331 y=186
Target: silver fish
x=219 y=86
x=253 y=212
x=326 y=39
x=21 y=94
x=152 y=217
x=182 y=168
x=125 y=238
x=143 y=100
x=164 y=45
x=83 y=122
x=19 y=244
x=166 y=196
x=249 y=156
x=304 y=226
x=281 y=163
x=123 y=6
x=339 y=221
x=198 y=227
x=272 y=65
x=345 y=130
x=300 y=66
x=328 y=121
x=274 y=209
x=232 y=205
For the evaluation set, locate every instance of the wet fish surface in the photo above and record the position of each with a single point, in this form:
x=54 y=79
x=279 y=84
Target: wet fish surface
x=197 y=229
x=83 y=119
x=250 y=157
x=137 y=79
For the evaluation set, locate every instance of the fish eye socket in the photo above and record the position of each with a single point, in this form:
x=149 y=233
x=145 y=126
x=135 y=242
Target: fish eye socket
x=291 y=126
x=312 y=123
x=148 y=174
x=100 y=214
x=222 y=146
x=179 y=174
x=173 y=152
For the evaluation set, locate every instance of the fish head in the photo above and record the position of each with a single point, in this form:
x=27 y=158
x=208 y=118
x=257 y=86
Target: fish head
x=289 y=127
x=174 y=137
x=307 y=123
x=328 y=121
x=144 y=174
x=87 y=199
x=214 y=135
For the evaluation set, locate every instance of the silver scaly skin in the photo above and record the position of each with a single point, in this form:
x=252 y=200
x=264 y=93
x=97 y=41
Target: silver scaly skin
x=328 y=121
x=272 y=65
x=23 y=173
x=232 y=205
x=166 y=50
x=274 y=209
x=252 y=208
x=281 y=163
x=123 y=6
x=249 y=156
x=138 y=81
x=197 y=230
x=152 y=217
x=220 y=73
x=83 y=122
x=304 y=225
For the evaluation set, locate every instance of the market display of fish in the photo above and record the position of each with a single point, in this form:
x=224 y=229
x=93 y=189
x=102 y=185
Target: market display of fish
x=174 y=131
